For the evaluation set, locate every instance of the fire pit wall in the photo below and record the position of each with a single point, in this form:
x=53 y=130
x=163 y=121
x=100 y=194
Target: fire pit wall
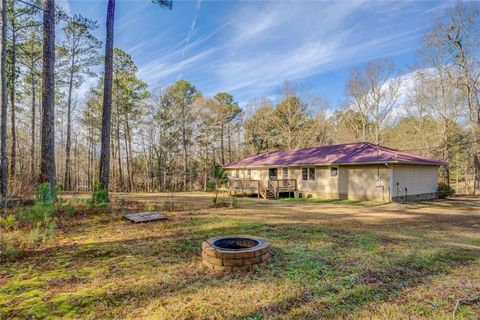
x=235 y=253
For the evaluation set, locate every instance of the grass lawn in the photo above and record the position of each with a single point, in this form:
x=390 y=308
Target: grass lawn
x=331 y=260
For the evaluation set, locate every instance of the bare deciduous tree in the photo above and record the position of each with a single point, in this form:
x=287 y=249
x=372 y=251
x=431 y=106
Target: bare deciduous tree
x=454 y=43
x=438 y=96
x=373 y=91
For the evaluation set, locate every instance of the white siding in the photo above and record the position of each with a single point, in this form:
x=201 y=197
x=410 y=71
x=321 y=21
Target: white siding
x=256 y=174
x=360 y=182
x=352 y=182
x=323 y=185
x=417 y=180
x=357 y=181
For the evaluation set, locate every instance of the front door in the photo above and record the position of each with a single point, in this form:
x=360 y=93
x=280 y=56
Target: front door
x=272 y=174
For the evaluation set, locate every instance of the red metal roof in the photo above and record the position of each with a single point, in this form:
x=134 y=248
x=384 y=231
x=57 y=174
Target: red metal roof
x=352 y=153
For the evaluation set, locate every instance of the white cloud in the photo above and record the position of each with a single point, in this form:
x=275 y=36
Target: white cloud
x=161 y=70
x=282 y=41
x=254 y=46
x=192 y=30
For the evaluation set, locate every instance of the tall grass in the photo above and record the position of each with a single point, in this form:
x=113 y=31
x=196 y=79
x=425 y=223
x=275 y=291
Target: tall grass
x=26 y=228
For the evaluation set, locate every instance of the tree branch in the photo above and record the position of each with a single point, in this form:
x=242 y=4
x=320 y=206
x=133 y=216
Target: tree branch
x=464 y=301
x=31 y=4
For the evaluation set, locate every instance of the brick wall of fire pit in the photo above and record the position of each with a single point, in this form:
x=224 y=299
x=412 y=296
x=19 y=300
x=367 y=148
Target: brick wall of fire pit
x=235 y=253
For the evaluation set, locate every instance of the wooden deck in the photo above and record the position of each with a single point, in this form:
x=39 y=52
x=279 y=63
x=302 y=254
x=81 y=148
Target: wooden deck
x=270 y=189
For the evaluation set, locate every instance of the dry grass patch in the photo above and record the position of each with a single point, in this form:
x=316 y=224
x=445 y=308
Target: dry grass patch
x=330 y=261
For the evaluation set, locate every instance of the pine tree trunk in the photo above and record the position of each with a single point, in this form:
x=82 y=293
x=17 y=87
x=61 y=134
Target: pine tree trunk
x=117 y=136
x=89 y=165
x=67 y=179
x=3 y=129
x=107 y=100
x=131 y=159
x=127 y=157
x=221 y=143
x=32 y=133
x=13 y=150
x=184 y=142
x=75 y=166
x=114 y=169
x=128 y=149
x=229 y=143
x=73 y=184
x=129 y=188
x=47 y=167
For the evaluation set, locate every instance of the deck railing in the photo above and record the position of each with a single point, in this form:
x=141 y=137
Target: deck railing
x=285 y=183
x=272 y=187
x=243 y=184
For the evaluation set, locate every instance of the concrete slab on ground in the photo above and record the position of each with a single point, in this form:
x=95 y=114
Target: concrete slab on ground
x=145 y=217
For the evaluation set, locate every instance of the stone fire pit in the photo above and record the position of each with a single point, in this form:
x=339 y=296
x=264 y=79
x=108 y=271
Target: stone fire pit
x=235 y=253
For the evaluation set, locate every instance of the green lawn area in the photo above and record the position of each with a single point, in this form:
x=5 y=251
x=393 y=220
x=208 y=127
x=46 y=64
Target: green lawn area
x=331 y=260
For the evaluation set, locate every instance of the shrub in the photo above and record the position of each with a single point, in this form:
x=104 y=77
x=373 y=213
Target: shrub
x=10 y=244
x=150 y=207
x=99 y=197
x=47 y=193
x=220 y=177
x=42 y=232
x=211 y=186
x=40 y=220
x=444 y=191
x=68 y=208
x=122 y=205
x=38 y=213
x=8 y=223
x=30 y=226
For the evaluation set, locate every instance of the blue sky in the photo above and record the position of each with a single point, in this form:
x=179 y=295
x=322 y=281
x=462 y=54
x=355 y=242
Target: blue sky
x=248 y=48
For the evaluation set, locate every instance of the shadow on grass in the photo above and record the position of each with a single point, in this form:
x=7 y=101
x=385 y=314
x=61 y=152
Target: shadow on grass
x=340 y=299
x=359 y=217
x=318 y=261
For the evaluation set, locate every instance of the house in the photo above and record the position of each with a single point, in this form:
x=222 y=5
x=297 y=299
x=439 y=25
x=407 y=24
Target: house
x=357 y=171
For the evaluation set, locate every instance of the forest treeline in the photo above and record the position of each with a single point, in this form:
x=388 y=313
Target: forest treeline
x=126 y=136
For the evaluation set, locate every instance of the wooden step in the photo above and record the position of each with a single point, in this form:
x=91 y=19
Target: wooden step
x=271 y=194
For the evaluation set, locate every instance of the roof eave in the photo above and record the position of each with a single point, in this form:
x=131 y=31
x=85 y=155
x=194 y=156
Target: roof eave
x=322 y=164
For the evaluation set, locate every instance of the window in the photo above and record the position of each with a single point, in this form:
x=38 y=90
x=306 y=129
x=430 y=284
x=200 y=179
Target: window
x=378 y=181
x=237 y=173
x=308 y=174
x=272 y=174
x=333 y=172
x=249 y=173
x=285 y=173
x=304 y=174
